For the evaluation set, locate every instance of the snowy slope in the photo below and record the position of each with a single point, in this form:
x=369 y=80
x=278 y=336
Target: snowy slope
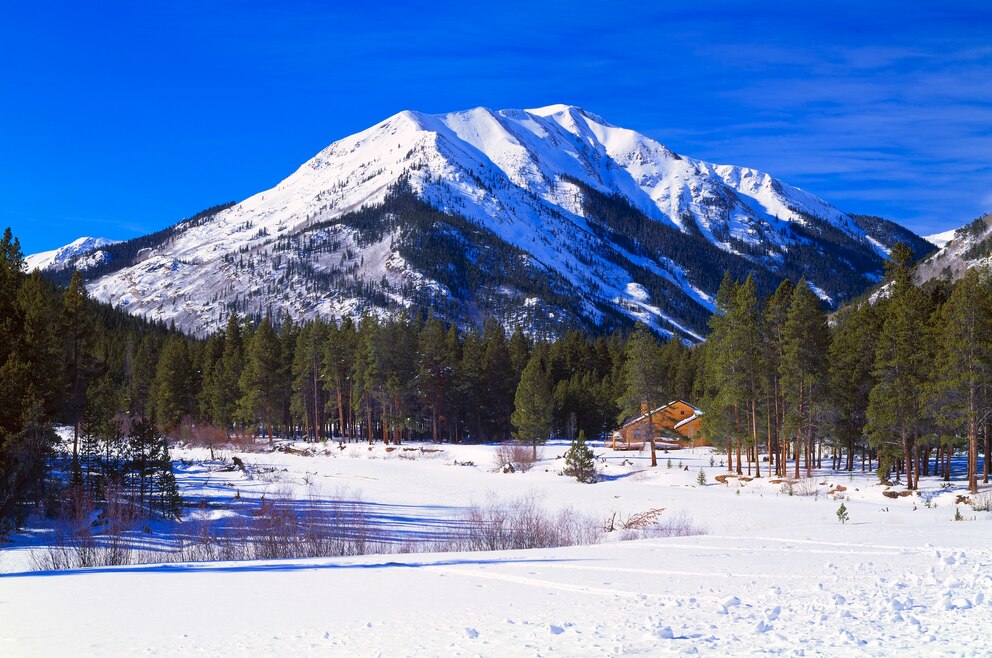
x=941 y=239
x=81 y=253
x=963 y=248
x=528 y=181
x=775 y=574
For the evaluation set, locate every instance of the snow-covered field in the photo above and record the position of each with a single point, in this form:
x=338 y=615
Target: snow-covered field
x=775 y=573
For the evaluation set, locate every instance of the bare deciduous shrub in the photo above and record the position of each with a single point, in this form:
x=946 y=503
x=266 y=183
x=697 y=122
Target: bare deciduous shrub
x=801 y=487
x=90 y=536
x=200 y=435
x=517 y=455
x=675 y=525
x=806 y=487
x=982 y=502
x=522 y=523
x=279 y=527
x=634 y=521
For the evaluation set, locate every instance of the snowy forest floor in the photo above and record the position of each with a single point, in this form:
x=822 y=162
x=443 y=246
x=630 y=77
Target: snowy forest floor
x=775 y=573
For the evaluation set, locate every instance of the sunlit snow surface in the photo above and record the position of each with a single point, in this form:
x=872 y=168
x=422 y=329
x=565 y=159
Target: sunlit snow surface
x=776 y=574
x=58 y=258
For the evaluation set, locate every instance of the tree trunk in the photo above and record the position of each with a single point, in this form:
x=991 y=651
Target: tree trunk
x=737 y=438
x=972 y=442
x=754 y=435
x=338 y=392
x=368 y=419
x=770 y=446
x=988 y=453
x=654 y=457
x=434 y=433
x=397 y=426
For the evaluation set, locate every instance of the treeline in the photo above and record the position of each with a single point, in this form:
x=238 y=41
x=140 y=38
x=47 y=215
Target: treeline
x=395 y=379
x=65 y=359
x=902 y=378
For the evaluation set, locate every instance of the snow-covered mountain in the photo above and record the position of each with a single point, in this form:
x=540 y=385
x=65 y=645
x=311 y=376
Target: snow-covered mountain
x=941 y=239
x=963 y=248
x=81 y=254
x=550 y=217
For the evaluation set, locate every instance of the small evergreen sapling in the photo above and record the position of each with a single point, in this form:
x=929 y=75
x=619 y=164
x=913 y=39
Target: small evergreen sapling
x=579 y=460
x=842 y=515
x=701 y=478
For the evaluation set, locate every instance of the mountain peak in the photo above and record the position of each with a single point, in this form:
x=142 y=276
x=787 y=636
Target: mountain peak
x=563 y=109
x=549 y=217
x=63 y=256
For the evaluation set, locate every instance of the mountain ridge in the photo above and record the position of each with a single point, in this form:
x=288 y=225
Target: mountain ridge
x=611 y=219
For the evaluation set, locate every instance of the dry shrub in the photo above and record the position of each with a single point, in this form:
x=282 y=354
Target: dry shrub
x=280 y=527
x=90 y=536
x=651 y=524
x=199 y=435
x=806 y=487
x=642 y=519
x=982 y=502
x=636 y=521
x=800 y=487
x=521 y=523
x=514 y=454
x=677 y=525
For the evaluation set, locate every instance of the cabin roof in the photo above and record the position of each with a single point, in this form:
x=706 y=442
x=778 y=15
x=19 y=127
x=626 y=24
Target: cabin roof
x=696 y=413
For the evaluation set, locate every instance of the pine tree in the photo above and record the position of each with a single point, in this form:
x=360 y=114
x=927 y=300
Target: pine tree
x=364 y=375
x=643 y=384
x=497 y=373
x=842 y=514
x=851 y=365
x=736 y=367
x=213 y=352
x=24 y=465
x=261 y=379
x=434 y=372
x=172 y=386
x=226 y=392
x=401 y=373
x=288 y=333
x=774 y=318
x=453 y=401
x=963 y=369
x=803 y=371
x=309 y=395
x=472 y=384
x=899 y=370
x=519 y=352
x=80 y=363
x=40 y=344
x=533 y=404
x=339 y=356
x=580 y=462
x=11 y=276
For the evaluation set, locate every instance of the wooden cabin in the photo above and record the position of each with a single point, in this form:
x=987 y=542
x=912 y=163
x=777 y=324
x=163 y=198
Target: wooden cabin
x=676 y=425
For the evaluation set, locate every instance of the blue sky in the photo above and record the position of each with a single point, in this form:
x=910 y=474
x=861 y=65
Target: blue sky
x=119 y=118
